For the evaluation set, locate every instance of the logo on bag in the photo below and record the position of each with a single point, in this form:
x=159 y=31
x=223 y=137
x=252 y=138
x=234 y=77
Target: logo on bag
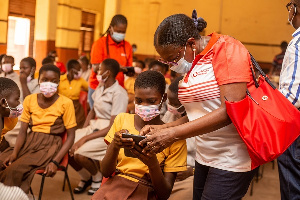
x=265 y=98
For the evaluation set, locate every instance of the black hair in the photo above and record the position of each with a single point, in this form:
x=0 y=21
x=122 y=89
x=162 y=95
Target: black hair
x=30 y=61
x=7 y=87
x=48 y=60
x=112 y=65
x=283 y=45
x=134 y=46
x=151 y=79
x=117 y=19
x=84 y=60
x=156 y=62
x=1 y=56
x=177 y=29
x=9 y=57
x=49 y=67
x=142 y=63
x=52 y=52
x=71 y=64
x=174 y=85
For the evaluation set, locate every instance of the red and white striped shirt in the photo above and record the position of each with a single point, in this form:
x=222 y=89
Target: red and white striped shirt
x=224 y=60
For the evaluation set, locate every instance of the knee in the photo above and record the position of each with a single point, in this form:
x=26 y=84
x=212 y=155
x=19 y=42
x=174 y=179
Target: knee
x=79 y=158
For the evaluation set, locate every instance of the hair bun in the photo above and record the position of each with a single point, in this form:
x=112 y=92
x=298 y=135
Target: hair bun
x=200 y=23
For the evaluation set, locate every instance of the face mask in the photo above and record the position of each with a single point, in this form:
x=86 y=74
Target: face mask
x=48 y=89
x=137 y=70
x=147 y=112
x=29 y=78
x=118 y=37
x=133 y=50
x=182 y=66
x=100 y=77
x=6 y=67
x=14 y=112
x=174 y=110
x=78 y=75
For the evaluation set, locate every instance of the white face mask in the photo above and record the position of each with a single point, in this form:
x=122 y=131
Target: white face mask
x=48 y=89
x=117 y=37
x=6 y=67
x=29 y=78
x=182 y=66
x=78 y=75
x=137 y=70
x=100 y=78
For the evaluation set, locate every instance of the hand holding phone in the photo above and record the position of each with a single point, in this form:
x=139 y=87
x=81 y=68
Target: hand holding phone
x=136 y=139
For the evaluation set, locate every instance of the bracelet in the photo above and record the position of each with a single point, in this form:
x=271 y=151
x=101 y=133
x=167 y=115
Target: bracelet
x=56 y=163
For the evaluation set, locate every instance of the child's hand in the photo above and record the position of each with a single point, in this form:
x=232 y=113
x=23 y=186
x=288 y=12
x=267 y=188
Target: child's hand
x=120 y=142
x=75 y=146
x=9 y=160
x=149 y=160
x=23 y=77
x=50 y=169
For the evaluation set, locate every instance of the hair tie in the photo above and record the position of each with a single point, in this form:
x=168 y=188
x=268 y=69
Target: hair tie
x=194 y=17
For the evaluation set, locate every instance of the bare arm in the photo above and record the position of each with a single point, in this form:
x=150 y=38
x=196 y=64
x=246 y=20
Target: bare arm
x=89 y=117
x=19 y=143
x=109 y=162
x=212 y=121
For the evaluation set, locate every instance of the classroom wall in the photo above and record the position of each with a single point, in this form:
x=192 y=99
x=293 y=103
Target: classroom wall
x=3 y=25
x=260 y=25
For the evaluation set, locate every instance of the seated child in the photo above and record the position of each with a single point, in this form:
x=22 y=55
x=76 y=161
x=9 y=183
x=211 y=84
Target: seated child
x=160 y=67
x=147 y=176
x=85 y=66
x=110 y=99
x=183 y=186
x=49 y=115
x=70 y=86
x=7 y=64
x=129 y=84
x=10 y=108
x=29 y=85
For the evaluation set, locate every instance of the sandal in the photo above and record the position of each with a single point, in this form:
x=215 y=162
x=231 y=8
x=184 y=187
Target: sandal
x=92 y=191
x=79 y=190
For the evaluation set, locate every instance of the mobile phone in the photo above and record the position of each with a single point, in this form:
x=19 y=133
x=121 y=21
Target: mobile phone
x=136 y=139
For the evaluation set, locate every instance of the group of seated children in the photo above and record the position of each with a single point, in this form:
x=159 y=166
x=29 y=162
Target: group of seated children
x=95 y=143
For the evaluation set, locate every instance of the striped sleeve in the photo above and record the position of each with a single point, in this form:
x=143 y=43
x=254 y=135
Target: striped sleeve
x=290 y=74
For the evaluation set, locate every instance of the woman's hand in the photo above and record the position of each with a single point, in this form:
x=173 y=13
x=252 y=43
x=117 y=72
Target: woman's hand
x=76 y=146
x=9 y=160
x=158 y=140
x=148 y=129
x=50 y=170
x=120 y=142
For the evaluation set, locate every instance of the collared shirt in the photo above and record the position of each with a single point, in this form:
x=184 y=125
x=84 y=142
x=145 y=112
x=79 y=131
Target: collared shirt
x=71 y=89
x=121 y=52
x=223 y=61
x=289 y=82
x=110 y=101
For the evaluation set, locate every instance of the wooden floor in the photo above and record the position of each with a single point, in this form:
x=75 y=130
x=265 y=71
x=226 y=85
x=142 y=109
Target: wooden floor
x=267 y=188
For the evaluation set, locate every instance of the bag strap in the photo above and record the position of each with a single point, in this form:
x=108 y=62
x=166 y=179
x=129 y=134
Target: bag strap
x=256 y=65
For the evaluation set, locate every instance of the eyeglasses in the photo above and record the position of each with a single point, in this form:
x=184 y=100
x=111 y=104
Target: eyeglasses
x=289 y=5
x=171 y=63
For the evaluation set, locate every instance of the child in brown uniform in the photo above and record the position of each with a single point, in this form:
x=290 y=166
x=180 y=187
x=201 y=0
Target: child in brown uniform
x=49 y=114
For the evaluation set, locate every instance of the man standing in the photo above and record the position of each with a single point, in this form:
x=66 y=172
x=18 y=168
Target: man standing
x=289 y=86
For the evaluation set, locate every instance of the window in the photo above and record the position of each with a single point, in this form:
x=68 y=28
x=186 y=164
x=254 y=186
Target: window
x=86 y=33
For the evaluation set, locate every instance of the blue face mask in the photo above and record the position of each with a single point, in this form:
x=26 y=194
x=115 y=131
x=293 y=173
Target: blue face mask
x=117 y=37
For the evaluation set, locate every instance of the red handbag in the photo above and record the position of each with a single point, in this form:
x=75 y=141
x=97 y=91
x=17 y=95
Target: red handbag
x=267 y=122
